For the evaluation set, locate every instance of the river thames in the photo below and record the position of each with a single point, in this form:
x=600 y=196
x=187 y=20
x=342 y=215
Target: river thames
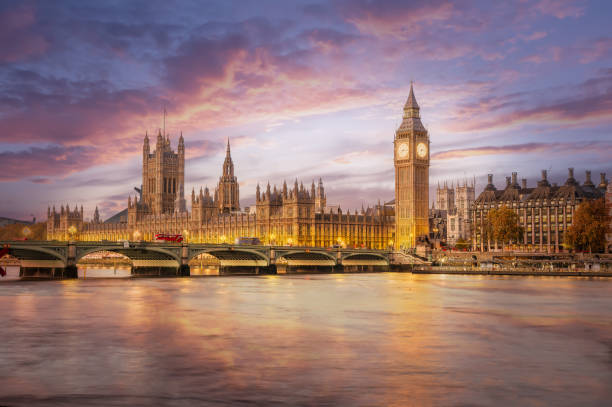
x=354 y=339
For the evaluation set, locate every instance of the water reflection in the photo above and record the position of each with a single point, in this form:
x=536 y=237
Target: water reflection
x=361 y=339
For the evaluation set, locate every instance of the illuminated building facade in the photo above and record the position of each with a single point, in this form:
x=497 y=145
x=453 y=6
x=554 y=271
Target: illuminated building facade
x=545 y=212
x=282 y=216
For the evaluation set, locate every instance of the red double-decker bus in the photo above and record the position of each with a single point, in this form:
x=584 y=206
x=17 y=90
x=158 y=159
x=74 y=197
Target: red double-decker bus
x=169 y=238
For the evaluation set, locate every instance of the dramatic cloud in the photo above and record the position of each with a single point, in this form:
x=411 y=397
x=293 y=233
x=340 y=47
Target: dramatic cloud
x=590 y=101
x=528 y=148
x=561 y=8
x=395 y=18
x=18 y=38
x=50 y=161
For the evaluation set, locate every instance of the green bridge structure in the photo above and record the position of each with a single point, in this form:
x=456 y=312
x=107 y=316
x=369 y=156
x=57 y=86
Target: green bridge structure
x=55 y=259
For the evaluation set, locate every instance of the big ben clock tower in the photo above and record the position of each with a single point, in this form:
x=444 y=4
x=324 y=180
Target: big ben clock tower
x=411 y=159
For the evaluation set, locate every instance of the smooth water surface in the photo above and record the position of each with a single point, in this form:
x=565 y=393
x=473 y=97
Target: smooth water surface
x=338 y=340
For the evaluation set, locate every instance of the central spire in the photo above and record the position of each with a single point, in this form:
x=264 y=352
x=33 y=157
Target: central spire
x=228 y=165
x=411 y=108
x=412 y=118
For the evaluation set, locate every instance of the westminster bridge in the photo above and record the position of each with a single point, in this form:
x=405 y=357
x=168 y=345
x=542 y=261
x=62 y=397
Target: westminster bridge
x=55 y=259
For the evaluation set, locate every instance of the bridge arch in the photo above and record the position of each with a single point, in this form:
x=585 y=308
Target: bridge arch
x=133 y=253
x=377 y=259
x=30 y=252
x=307 y=255
x=242 y=256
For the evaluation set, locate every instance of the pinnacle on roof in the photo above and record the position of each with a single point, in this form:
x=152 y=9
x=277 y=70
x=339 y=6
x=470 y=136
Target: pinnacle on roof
x=411 y=103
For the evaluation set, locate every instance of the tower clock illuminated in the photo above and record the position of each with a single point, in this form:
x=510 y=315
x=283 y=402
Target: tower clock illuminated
x=422 y=150
x=402 y=150
x=411 y=177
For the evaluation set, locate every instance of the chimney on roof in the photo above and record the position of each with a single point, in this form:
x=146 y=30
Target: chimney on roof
x=508 y=181
x=603 y=182
x=524 y=183
x=490 y=186
x=588 y=181
x=570 y=177
x=514 y=178
x=544 y=175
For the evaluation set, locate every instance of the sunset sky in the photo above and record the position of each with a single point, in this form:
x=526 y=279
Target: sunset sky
x=303 y=89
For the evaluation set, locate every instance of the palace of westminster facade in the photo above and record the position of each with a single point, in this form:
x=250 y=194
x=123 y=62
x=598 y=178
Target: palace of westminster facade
x=285 y=215
x=299 y=215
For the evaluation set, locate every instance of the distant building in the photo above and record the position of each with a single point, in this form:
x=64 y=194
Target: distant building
x=459 y=217
x=9 y=221
x=445 y=197
x=452 y=212
x=545 y=212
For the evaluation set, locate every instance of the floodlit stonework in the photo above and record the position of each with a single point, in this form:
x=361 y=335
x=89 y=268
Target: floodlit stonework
x=411 y=159
x=282 y=216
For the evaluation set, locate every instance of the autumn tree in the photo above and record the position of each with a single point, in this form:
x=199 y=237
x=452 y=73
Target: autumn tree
x=588 y=229
x=503 y=225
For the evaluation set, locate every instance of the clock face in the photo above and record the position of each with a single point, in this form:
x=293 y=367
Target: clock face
x=402 y=150
x=422 y=150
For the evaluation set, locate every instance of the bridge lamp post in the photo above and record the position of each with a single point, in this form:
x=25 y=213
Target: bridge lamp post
x=186 y=234
x=26 y=232
x=391 y=244
x=136 y=235
x=290 y=242
x=272 y=239
x=223 y=238
x=71 y=232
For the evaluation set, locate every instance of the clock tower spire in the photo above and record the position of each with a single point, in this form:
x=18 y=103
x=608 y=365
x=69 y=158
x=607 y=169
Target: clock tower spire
x=411 y=159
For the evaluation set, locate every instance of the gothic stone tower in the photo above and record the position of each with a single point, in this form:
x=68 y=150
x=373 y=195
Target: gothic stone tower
x=228 y=198
x=163 y=175
x=445 y=197
x=411 y=177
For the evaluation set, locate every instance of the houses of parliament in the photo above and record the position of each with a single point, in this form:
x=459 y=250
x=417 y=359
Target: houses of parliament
x=282 y=215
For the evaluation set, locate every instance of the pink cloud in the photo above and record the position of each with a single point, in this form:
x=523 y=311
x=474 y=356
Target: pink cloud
x=355 y=156
x=43 y=163
x=586 y=51
x=596 y=50
x=395 y=18
x=538 y=35
x=590 y=102
x=561 y=8
x=527 y=148
x=534 y=59
x=230 y=85
x=18 y=41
